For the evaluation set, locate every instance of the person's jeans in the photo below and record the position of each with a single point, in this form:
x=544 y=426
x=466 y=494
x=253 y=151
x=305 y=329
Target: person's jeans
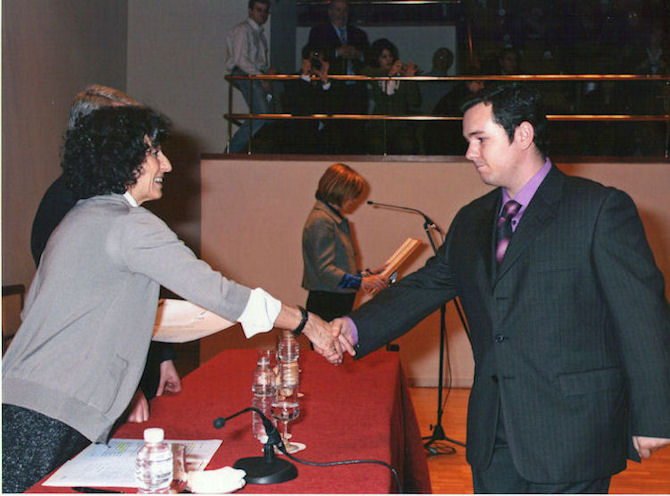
x=253 y=94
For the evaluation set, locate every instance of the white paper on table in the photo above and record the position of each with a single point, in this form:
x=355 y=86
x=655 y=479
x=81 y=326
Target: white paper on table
x=113 y=464
x=179 y=321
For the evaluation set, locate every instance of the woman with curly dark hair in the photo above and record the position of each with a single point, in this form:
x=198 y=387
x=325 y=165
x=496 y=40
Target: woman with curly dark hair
x=88 y=318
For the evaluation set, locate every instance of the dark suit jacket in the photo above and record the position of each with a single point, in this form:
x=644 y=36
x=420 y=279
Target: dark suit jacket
x=55 y=204
x=307 y=135
x=325 y=36
x=574 y=325
x=354 y=97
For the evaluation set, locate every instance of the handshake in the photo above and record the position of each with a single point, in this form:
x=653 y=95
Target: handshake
x=330 y=340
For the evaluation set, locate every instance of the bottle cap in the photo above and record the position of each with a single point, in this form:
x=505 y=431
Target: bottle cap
x=153 y=435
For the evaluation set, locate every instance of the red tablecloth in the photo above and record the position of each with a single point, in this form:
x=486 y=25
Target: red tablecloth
x=360 y=410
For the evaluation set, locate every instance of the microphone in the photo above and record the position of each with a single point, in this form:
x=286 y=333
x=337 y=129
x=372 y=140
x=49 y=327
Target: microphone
x=269 y=470
x=428 y=220
x=266 y=469
x=270 y=428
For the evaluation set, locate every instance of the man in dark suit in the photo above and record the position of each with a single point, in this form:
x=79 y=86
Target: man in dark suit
x=347 y=44
x=570 y=330
x=312 y=93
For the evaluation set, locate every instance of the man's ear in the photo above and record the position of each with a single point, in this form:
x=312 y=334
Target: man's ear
x=524 y=134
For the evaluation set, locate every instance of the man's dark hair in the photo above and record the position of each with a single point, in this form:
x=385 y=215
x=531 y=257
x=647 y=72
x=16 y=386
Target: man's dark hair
x=104 y=151
x=264 y=2
x=512 y=104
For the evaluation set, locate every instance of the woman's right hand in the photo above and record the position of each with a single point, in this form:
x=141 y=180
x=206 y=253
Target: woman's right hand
x=396 y=69
x=374 y=282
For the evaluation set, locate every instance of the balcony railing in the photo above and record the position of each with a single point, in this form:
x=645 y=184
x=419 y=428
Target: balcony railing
x=574 y=96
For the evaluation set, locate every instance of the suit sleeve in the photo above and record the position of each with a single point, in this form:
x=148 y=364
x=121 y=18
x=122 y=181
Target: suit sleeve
x=634 y=290
x=396 y=310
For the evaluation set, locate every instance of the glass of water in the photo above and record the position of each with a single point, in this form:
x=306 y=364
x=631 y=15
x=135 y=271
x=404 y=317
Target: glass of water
x=285 y=409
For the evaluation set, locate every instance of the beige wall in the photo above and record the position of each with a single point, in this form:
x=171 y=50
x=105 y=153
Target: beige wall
x=51 y=49
x=253 y=212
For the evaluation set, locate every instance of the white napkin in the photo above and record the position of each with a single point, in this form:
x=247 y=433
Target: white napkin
x=223 y=480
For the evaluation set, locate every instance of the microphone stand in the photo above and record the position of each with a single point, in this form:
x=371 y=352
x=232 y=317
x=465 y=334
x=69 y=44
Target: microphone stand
x=438 y=431
x=266 y=469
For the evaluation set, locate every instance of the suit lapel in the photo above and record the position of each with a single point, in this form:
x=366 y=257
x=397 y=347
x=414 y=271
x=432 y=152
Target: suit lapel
x=538 y=215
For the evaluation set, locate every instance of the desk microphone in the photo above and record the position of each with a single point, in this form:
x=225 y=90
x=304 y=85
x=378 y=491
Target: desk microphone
x=268 y=469
x=428 y=220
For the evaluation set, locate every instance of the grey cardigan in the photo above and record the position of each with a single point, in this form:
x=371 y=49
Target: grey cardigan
x=328 y=252
x=90 y=310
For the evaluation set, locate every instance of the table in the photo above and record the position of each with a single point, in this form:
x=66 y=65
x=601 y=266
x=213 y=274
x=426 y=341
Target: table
x=359 y=410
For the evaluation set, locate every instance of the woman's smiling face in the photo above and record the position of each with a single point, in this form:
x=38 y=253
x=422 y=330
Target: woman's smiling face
x=149 y=185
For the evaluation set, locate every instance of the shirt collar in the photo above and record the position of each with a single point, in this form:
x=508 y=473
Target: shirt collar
x=529 y=189
x=254 y=24
x=130 y=199
x=338 y=29
x=330 y=208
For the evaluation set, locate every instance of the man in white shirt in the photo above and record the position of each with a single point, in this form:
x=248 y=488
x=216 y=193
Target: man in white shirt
x=248 y=55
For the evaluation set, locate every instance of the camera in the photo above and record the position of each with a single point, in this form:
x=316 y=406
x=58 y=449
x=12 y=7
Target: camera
x=315 y=60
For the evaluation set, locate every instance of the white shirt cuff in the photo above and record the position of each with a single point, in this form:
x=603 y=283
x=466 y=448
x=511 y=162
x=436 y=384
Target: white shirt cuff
x=260 y=313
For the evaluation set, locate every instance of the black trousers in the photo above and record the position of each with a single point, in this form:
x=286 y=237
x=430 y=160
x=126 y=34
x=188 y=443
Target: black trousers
x=33 y=445
x=502 y=477
x=328 y=305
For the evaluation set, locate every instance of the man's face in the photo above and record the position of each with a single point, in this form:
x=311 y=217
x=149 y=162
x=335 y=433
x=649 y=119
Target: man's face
x=496 y=159
x=259 y=13
x=338 y=11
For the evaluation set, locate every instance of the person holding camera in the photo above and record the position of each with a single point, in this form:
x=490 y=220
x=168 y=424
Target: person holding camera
x=312 y=93
x=392 y=97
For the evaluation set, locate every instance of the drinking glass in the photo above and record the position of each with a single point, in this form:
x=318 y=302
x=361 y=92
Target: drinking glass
x=286 y=408
x=179 y=471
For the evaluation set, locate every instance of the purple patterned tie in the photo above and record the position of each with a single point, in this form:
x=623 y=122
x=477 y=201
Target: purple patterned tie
x=504 y=228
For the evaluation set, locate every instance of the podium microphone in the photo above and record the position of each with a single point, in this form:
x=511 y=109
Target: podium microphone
x=266 y=469
x=429 y=221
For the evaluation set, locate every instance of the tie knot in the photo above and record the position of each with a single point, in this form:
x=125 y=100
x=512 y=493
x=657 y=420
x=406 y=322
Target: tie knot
x=511 y=208
x=343 y=34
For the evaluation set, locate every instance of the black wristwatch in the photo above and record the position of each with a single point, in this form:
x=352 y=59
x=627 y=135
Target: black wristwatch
x=305 y=316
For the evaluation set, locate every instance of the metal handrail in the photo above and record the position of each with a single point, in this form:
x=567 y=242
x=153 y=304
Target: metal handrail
x=516 y=77
x=384 y=117
x=236 y=118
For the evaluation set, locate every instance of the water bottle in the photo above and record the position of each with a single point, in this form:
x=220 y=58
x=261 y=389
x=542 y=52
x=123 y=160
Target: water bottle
x=263 y=390
x=153 y=468
x=288 y=352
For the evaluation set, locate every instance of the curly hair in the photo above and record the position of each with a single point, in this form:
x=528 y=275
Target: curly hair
x=104 y=152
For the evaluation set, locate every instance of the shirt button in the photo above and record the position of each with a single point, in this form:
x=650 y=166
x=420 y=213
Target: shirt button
x=499 y=338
